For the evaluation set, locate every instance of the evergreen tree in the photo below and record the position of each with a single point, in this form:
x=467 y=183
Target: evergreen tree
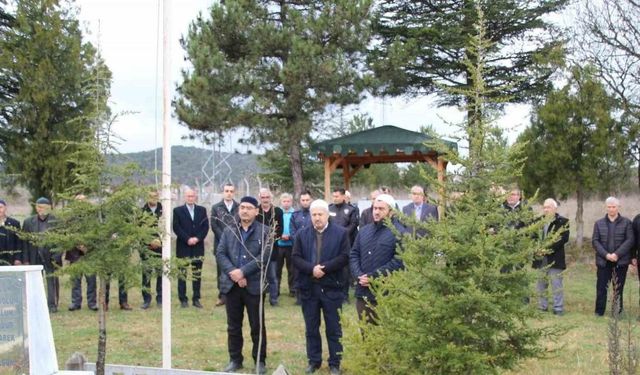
x=453 y=309
x=272 y=67
x=423 y=45
x=52 y=95
x=574 y=144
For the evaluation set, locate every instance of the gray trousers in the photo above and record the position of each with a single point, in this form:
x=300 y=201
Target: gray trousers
x=555 y=276
x=76 y=291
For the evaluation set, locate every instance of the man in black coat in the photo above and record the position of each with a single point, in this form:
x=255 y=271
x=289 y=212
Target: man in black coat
x=152 y=253
x=34 y=254
x=223 y=214
x=272 y=217
x=345 y=215
x=552 y=262
x=243 y=253
x=612 y=241
x=191 y=225
x=320 y=253
x=10 y=245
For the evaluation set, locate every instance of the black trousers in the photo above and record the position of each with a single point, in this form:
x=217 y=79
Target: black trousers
x=150 y=269
x=76 y=291
x=604 y=276
x=327 y=301
x=237 y=300
x=284 y=258
x=363 y=307
x=216 y=242
x=122 y=292
x=196 y=273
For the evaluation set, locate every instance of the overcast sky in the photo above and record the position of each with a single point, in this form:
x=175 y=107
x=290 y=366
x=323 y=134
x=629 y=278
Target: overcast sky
x=127 y=33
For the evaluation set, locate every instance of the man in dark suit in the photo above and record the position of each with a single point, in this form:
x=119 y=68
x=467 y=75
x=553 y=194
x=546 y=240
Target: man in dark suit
x=191 y=225
x=552 y=262
x=10 y=245
x=419 y=209
x=34 y=254
x=223 y=214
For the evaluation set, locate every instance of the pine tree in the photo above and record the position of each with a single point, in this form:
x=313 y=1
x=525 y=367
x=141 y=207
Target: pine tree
x=454 y=309
x=52 y=95
x=272 y=67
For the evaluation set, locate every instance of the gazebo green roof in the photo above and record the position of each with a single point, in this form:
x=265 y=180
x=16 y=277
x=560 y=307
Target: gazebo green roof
x=383 y=140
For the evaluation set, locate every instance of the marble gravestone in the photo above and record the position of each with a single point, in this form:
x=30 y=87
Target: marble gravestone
x=26 y=339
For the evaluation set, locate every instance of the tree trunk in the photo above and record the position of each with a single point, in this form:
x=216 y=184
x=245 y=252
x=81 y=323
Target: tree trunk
x=295 y=155
x=579 y=214
x=102 y=327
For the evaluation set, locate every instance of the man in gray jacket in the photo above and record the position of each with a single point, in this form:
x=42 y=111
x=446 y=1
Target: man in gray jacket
x=612 y=241
x=242 y=253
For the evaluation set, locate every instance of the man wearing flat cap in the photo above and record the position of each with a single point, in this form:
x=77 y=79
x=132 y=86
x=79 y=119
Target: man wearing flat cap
x=243 y=252
x=10 y=246
x=374 y=254
x=35 y=254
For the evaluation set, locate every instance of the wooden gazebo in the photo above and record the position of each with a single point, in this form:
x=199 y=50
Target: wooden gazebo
x=385 y=144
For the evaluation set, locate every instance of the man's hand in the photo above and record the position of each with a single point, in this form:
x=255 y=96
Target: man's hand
x=236 y=275
x=285 y=237
x=17 y=263
x=192 y=241
x=318 y=271
x=612 y=257
x=155 y=244
x=242 y=283
x=363 y=280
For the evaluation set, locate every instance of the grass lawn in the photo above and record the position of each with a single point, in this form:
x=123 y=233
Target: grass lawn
x=199 y=336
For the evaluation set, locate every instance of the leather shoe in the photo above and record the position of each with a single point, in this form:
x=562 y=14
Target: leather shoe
x=74 y=308
x=232 y=367
x=197 y=304
x=145 y=305
x=53 y=309
x=220 y=302
x=93 y=308
x=261 y=368
x=184 y=304
x=311 y=368
x=334 y=370
x=125 y=306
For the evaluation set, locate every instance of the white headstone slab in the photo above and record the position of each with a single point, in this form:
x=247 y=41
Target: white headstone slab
x=26 y=338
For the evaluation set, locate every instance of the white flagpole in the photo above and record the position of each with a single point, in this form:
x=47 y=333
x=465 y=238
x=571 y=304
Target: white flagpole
x=166 y=185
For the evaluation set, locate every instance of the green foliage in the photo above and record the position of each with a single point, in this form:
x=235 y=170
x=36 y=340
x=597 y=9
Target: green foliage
x=272 y=67
x=574 y=142
x=279 y=175
x=458 y=307
x=53 y=96
x=423 y=46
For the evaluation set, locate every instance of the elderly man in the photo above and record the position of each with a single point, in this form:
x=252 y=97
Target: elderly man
x=10 y=245
x=320 y=253
x=612 y=241
x=34 y=254
x=552 y=261
x=374 y=254
x=191 y=225
x=419 y=209
x=243 y=253
x=272 y=217
x=223 y=214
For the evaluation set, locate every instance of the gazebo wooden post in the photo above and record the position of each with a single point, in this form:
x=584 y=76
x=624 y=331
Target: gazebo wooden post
x=346 y=175
x=327 y=178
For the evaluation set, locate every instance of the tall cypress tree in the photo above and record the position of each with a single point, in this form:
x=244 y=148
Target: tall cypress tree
x=272 y=67
x=58 y=85
x=575 y=144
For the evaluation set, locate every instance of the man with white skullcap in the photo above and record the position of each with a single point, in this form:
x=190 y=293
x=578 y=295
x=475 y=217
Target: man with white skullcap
x=373 y=253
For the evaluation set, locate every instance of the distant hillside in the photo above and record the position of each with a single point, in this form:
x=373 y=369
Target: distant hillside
x=187 y=165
